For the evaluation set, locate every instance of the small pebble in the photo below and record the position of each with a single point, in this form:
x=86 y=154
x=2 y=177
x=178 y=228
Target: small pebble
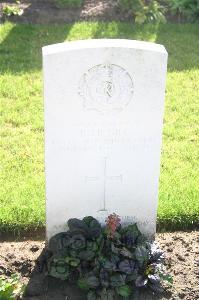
x=34 y=248
x=180 y=257
x=181 y=295
x=170 y=250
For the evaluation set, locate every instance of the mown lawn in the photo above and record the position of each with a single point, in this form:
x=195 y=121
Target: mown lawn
x=22 y=192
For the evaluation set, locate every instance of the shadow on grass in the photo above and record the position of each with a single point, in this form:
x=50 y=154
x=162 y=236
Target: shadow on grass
x=20 y=51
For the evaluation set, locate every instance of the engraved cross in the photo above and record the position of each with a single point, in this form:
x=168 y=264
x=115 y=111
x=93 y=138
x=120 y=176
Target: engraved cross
x=104 y=179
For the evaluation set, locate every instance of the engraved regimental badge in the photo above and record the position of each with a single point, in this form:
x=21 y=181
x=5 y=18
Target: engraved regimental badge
x=106 y=88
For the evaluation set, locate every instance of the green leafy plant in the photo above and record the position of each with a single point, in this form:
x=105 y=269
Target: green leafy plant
x=107 y=262
x=10 y=288
x=187 y=8
x=69 y=3
x=12 y=10
x=144 y=11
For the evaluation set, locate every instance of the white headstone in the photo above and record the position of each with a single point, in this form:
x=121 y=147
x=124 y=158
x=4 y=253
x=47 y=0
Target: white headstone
x=104 y=103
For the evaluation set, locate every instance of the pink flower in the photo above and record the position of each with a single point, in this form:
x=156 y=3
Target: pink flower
x=112 y=222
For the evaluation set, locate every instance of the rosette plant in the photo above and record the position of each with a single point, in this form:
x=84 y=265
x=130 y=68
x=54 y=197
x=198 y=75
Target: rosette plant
x=108 y=262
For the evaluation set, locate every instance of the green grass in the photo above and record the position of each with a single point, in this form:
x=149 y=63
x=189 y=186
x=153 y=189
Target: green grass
x=22 y=193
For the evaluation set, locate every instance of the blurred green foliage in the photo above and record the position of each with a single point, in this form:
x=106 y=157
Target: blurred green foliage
x=143 y=11
x=187 y=8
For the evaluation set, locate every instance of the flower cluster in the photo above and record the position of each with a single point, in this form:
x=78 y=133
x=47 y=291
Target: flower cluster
x=112 y=222
x=111 y=262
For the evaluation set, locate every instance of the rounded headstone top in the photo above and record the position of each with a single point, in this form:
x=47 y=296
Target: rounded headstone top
x=103 y=43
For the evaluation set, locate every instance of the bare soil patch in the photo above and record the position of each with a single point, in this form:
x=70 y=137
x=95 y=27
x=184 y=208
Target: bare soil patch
x=46 y=12
x=182 y=261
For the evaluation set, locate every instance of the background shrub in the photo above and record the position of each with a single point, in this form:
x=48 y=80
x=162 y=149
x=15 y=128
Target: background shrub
x=188 y=8
x=144 y=11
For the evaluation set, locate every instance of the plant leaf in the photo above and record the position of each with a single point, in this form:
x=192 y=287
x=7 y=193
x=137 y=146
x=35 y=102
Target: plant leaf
x=109 y=266
x=156 y=287
x=58 y=268
x=104 y=278
x=141 y=281
x=126 y=266
x=140 y=18
x=117 y=280
x=166 y=277
x=59 y=242
x=154 y=278
x=91 y=295
x=92 y=281
x=141 y=255
x=82 y=284
x=76 y=224
x=94 y=227
x=126 y=253
x=107 y=294
x=124 y=291
x=74 y=262
x=78 y=242
x=86 y=255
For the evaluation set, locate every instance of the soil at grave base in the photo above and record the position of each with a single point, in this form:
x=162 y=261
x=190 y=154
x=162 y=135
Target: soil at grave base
x=46 y=12
x=182 y=257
